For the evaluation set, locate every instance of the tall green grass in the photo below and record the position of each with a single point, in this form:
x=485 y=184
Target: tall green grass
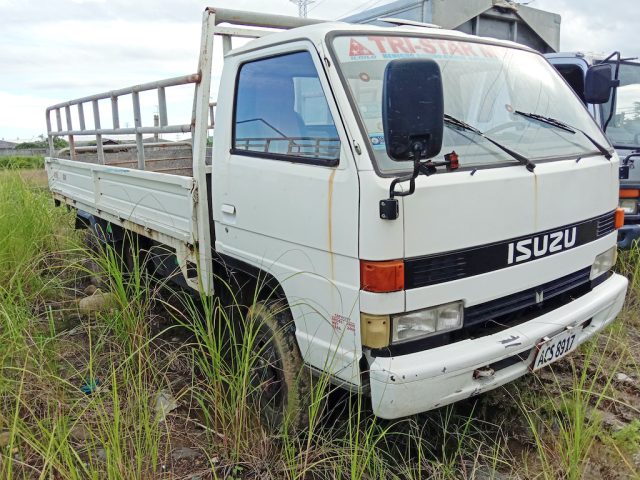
x=152 y=339
x=30 y=230
x=55 y=429
x=15 y=162
x=565 y=422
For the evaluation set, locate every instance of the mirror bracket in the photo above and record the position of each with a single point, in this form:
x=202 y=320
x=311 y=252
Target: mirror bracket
x=627 y=164
x=390 y=207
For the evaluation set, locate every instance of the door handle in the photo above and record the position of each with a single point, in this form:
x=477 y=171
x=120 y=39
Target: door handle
x=228 y=213
x=228 y=209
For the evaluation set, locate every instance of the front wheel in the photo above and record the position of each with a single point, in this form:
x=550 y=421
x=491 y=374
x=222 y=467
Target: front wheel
x=281 y=383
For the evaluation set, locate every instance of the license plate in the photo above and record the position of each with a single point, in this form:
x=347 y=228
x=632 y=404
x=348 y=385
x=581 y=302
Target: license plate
x=550 y=350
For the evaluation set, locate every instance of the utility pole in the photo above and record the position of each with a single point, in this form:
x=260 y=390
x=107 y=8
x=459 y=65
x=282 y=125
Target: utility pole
x=302 y=6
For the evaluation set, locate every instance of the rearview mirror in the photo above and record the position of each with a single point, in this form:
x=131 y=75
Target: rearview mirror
x=599 y=83
x=412 y=109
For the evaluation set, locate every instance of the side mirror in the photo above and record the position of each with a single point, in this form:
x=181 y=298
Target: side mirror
x=598 y=83
x=412 y=109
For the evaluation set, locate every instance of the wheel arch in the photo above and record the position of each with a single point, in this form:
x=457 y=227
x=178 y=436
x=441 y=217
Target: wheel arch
x=254 y=283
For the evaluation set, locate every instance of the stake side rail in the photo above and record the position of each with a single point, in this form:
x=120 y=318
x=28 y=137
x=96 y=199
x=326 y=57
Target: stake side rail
x=238 y=21
x=94 y=181
x=114 y=96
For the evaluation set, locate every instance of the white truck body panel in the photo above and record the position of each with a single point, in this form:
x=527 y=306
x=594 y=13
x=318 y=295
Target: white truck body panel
x=157 y=205
x=298 y=230
x=514 y=203
x=159 y=202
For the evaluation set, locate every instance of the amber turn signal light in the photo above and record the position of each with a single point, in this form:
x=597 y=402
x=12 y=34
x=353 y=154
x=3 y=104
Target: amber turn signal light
x=381 y=277
x=629 y=193
x=619 y=218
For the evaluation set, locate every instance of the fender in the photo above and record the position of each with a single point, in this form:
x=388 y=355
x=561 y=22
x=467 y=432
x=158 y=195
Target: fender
x=227 y=267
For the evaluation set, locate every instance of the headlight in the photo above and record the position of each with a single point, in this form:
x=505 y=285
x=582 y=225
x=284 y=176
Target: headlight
x=422 y=323
x=629 y=205
x=604 y=262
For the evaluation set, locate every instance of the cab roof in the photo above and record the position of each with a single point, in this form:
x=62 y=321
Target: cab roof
x=317 y=33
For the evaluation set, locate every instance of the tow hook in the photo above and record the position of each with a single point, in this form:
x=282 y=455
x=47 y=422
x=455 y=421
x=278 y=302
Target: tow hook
x=483 y=372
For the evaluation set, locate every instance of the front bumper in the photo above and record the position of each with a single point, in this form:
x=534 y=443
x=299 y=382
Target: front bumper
x=628 y=235
x=414 y=383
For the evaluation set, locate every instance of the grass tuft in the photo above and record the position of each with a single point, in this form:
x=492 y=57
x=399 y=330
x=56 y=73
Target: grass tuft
x=21 y=162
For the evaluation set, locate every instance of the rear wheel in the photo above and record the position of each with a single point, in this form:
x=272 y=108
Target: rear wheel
x=127 y=253
x=281 y=383
x=95 y=251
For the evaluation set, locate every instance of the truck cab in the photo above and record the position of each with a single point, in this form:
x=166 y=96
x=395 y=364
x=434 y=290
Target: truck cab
x=431 y=234
x=619 y=119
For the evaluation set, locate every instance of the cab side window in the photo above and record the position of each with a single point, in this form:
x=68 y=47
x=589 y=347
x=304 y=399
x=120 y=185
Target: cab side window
x=281 y=112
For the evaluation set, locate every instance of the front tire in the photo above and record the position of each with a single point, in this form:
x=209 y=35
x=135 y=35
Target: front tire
x=280 y=381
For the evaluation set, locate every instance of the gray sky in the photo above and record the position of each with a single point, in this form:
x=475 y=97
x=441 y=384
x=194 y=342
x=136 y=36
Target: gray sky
x=55 y=50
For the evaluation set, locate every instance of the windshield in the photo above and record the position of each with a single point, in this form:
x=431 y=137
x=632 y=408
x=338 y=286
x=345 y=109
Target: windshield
x=484 y=85
x=624 y=128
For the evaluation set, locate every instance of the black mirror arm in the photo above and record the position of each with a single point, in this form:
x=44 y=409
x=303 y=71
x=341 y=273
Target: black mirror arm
x=389 y=208
x=407 y=178
x=629 y=160
x=418 y=167
x=626 y=164
x=417 y=149
x=614 y=84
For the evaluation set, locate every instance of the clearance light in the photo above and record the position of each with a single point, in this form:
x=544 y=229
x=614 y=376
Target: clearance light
x=381 y=277
x=619 y=218
x=374 y=330
x=630 y=193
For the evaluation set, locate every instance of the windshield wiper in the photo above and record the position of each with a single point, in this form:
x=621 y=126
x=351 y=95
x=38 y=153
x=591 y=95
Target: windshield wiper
x=465 y=126
x=567 y=128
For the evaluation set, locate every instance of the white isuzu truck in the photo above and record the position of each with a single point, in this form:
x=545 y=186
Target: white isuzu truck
x=436 y=210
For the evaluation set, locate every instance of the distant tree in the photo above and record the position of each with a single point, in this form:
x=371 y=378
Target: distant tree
x=58 y=143
x=30 y=145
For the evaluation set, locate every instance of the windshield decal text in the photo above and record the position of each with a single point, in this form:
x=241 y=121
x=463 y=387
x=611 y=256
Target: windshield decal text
x=378 y=47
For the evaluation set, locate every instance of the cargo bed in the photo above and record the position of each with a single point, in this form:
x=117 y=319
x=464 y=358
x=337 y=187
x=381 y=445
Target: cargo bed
x=160 y=206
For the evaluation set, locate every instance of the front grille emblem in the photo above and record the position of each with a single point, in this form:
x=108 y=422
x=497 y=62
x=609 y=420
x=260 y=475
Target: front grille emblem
x=540 y=296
